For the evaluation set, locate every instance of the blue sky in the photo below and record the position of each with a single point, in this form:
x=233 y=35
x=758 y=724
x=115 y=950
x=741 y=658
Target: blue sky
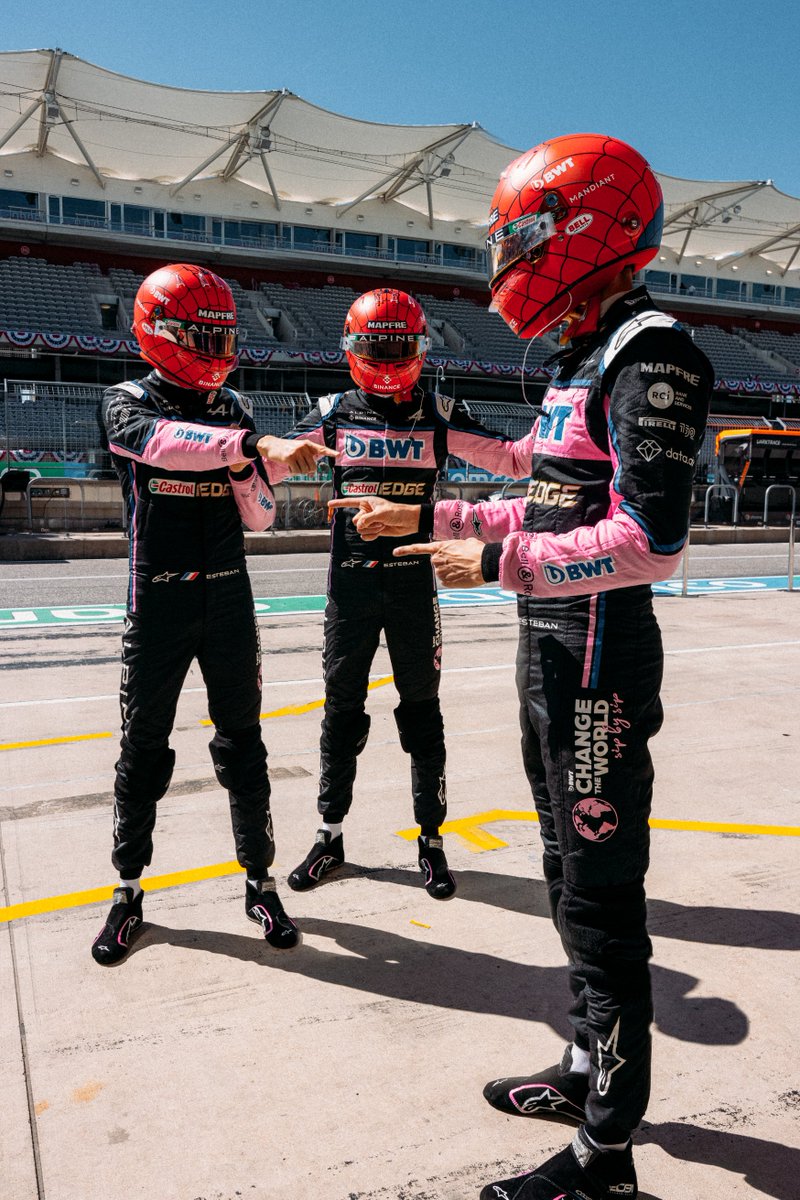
x=704 y=88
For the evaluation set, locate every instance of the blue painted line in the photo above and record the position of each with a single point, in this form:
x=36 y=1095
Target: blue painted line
x=278 y=606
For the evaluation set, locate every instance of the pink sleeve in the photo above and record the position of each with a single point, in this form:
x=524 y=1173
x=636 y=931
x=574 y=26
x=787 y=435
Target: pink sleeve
x=184 y=446
x=279 y=471
x=254 y=500
x=490 y=520
x=593 y=558
x=499 y=457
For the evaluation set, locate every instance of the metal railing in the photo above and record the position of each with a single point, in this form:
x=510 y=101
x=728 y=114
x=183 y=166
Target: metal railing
x=784 y=487
x=727 y=488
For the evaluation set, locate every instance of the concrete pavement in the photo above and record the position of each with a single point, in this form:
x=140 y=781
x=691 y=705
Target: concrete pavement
x=206 y=1066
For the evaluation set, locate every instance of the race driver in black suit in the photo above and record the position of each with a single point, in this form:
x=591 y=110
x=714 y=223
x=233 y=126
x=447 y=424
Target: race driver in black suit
x=606 y=515
x=392 y=439
x=190 y=463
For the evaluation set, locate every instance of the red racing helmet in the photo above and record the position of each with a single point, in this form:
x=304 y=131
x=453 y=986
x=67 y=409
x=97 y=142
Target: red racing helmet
x=566 y=217
x=184 y=319
x=386 y=340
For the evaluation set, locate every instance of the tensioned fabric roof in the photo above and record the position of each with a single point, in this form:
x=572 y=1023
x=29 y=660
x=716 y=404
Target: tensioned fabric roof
x=52 y=103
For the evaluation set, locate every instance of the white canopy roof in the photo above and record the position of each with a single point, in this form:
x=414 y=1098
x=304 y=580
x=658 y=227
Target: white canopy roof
x=52 y=103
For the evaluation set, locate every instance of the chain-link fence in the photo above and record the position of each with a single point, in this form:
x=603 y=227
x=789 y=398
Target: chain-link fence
x=51 y=431
x=52 y=428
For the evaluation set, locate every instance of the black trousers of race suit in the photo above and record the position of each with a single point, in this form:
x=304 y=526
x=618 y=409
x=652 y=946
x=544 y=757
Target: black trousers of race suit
x=398 y=597
x=588 y=674
x=174 y=623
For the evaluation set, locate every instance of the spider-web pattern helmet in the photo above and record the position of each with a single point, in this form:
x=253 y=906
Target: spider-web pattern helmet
x=184 y=319
x=566 y=217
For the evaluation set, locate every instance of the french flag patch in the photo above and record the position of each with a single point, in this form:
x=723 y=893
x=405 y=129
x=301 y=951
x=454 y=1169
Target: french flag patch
x=189 y=576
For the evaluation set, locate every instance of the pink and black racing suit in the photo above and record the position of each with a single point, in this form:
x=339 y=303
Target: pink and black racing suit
x=606 y=515
x=396 y=450
x=189 y=597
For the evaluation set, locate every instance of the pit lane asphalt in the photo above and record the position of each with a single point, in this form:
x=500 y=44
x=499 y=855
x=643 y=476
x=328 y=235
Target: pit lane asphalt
x=205 y=1067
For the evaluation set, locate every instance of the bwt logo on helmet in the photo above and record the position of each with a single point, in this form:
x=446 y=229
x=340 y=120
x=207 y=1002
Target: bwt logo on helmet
x=215 y=314
x=553 y=173
x=379 y=325
x=590 y=568
x=383 y=448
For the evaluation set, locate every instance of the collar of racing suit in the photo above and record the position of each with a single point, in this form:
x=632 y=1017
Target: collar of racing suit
x=391 y=404
x=183 y=402
x=617 y=309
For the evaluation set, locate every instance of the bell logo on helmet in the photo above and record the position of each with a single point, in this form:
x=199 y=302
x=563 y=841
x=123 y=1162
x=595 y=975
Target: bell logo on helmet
x=579 y=225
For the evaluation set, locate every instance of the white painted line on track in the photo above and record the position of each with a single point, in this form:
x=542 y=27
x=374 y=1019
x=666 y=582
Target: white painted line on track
x=320 y=570
x=509 y=666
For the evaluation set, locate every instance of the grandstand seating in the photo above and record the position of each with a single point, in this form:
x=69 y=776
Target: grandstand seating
x=784 y=346
x=39 y=295
x=731 y=356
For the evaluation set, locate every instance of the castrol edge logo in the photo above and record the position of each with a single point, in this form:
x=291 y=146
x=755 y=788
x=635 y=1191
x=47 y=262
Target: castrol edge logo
x=186 y=487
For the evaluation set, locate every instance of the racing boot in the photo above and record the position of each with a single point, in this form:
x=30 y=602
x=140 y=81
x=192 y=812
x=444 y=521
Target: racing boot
x=262 y=904
x=439 y=880
x=326 y=855
x=557 y=1093
x=125 y=918
x=581 y=1172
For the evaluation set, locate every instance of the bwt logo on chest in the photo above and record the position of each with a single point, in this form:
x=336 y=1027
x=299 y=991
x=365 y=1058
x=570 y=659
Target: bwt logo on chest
x=552 y=422
x=399 y=449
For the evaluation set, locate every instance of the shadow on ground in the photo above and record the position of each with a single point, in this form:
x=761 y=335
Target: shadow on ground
x=412 y=969
x=769 y=1167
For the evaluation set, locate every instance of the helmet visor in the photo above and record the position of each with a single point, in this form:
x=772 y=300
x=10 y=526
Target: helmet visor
x=516 y=240
x=386 y=347
x=210 y=341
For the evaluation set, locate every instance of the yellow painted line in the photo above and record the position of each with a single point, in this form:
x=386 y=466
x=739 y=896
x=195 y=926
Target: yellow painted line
x=289 y=710
x=468 y=828
x=477 y=839
x=421 y=924
x=155 y=883
x=58 y=741
x=726 y=827
x=470 y=831
x=297 y=710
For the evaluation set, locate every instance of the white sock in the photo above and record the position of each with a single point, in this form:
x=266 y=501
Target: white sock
x=601 y=1146
x=580 y=1060
x=134 y=884
x=333 y=829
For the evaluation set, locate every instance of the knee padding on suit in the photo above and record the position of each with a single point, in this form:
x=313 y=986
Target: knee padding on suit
x=421 y=729
x=240 y=757
x=606 y=928
x=344 y=733
x=554 y=878
x=144 y=774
